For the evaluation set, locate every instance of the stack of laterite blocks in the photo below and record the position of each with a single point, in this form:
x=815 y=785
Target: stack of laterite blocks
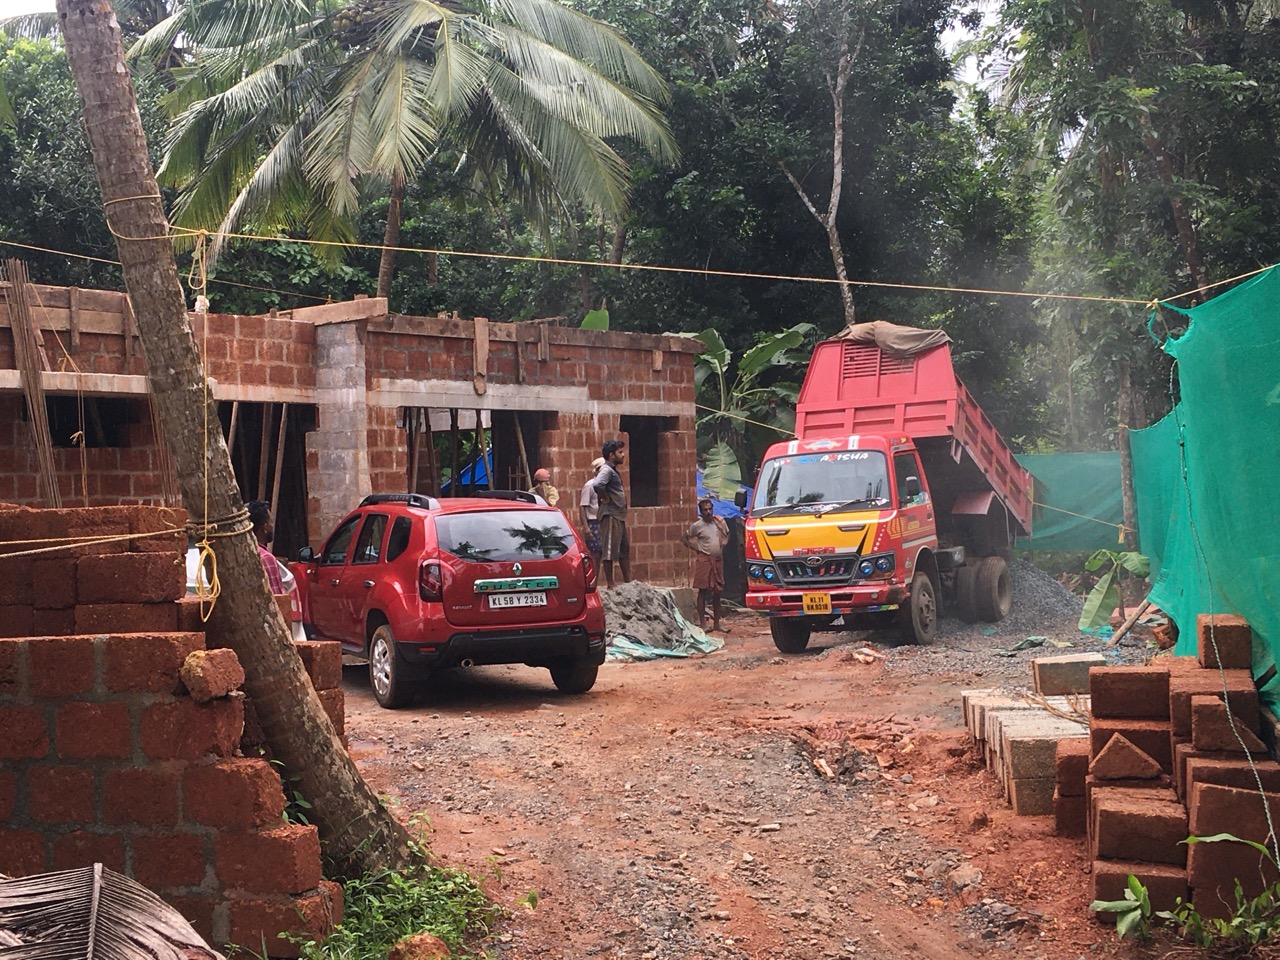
x=1174 y=750
x=122 y=732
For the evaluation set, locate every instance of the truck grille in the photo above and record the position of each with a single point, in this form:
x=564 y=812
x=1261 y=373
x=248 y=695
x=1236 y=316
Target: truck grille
x=800 y=573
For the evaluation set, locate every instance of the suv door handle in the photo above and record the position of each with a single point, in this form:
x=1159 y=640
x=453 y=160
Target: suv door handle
x=368 y=583
x=334 y=583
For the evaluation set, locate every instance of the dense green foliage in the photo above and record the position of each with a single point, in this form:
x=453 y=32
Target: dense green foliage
x=1114 y=150
x=379 y=911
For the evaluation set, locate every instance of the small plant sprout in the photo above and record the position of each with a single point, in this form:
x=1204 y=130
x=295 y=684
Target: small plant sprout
x=1133 y=913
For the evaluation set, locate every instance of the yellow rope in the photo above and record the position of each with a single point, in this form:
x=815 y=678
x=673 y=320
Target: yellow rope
x=177 y=232
x=1120 y=527
x=735 y=416
x=61 y=543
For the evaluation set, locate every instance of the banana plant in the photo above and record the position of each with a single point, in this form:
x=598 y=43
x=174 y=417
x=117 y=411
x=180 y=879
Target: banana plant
x=745 y=403
x=1105 y=595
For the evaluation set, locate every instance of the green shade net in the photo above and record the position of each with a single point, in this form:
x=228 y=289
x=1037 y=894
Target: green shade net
x=1077 y=501
x=1204 y=475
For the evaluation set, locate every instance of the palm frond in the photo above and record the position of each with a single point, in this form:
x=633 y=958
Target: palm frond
x=32 y=26
x=93 y=913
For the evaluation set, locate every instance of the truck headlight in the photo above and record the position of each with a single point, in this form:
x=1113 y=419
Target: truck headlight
x=884 y=564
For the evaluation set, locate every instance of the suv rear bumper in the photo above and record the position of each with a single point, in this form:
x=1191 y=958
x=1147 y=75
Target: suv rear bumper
x=534 y=647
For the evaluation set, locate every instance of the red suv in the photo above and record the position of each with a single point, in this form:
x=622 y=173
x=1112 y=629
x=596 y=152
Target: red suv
x=417 y=584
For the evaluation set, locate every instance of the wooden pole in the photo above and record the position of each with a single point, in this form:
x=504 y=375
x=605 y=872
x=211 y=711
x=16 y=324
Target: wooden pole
x=264 y=450
x=453 y=451
x=279 y=472
x=433 y=466
x=1124 y=413
x=231 y=431
x=1128 y=624
x=524 y=456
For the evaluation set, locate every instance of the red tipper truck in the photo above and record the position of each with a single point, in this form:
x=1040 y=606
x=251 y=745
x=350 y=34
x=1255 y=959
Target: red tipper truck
x=896 y=494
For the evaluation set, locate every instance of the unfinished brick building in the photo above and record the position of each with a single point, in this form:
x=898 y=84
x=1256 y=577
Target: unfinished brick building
x=326 y=404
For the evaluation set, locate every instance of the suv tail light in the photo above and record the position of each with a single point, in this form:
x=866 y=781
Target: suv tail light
x=589 y=569
x=430 y=583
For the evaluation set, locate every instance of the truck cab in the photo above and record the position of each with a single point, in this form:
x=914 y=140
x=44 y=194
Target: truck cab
x=897 y=496
x=842 y=528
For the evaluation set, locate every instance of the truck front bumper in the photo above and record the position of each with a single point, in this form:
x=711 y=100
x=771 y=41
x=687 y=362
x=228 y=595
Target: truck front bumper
x=859 y=599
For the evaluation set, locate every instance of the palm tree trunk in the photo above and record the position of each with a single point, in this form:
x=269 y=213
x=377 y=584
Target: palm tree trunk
x=391 y=237
x=357 y=834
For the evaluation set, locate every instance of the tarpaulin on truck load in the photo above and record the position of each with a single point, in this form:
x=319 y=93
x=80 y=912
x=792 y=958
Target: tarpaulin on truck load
x=893 y=338
x=1205 y=476
x=1077 y=501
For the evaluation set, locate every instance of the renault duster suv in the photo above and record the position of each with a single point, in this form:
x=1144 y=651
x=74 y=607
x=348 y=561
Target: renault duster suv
x=415 y=584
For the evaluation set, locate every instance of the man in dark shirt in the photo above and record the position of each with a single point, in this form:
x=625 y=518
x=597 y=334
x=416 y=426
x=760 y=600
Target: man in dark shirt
x=614 y=543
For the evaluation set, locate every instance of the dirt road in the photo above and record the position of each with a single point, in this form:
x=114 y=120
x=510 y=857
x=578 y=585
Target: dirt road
x=737 y=805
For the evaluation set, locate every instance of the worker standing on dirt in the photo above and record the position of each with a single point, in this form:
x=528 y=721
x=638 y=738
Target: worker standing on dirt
x=543 y=488
x=707 y=538
x=589 y=513
x=615 y=545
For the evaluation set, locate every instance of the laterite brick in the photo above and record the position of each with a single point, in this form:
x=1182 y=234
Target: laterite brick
x=53 y=583
x=1184 y=685
x=283 y=860
x=130 y=578
x=165 y=860
x=60 y=794
x=60 y=667
x=148 y=662
x=1164 y=883
x=126 y=617
x=1224 y=640
x=82 y=848
x=1137 y=693
x=94 y=731
x=264 y=919
x=146 y=796
x=21 y=853
x=323 y=662
x=26 y=734
x=237 y=794
x=185 y=730
x=15 y=620
x=13 y=668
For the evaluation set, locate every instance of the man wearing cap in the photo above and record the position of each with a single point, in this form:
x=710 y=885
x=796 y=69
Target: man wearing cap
x=543 y=488
x=707 y=538
x=589 y=512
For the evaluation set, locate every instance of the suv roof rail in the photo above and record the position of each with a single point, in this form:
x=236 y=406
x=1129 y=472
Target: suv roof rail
x=521 y=495
x=412 y=499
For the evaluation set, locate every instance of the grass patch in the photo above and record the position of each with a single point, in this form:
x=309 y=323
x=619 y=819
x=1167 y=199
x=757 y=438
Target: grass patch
x=378 y=911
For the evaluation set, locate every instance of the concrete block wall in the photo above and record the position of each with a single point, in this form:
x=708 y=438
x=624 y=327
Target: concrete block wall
x=109 y=756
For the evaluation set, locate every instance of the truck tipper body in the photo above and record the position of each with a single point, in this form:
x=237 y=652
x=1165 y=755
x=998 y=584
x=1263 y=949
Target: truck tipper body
x=897 y=497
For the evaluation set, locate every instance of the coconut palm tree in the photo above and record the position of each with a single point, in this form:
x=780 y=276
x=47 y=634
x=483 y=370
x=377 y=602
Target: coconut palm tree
x=289 y=114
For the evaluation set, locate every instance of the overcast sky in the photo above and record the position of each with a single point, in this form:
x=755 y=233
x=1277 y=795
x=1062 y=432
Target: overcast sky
x=12 y=8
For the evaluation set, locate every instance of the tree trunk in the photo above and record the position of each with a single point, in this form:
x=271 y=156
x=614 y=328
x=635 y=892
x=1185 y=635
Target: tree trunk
x=836 y=85
x=391 y=237
x=357 y=834
x=1187 y=235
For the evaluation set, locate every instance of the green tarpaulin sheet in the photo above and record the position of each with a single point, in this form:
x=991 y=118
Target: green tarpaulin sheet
x=1077 y=501
x=1205 y=475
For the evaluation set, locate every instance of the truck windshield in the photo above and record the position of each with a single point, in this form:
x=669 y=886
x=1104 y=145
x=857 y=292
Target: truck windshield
x=818 y=483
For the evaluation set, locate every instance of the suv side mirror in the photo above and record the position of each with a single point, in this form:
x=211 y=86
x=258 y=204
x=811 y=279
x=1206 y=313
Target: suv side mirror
x=740 y=499
x=306 y=555
x=912 y=487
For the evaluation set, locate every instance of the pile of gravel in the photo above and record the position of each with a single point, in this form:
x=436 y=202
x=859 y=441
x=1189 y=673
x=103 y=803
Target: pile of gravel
x=1041 y=607
x=984 y=653
x=642 y=612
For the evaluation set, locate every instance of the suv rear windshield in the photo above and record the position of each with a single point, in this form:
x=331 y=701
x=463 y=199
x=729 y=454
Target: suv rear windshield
x=505 y=535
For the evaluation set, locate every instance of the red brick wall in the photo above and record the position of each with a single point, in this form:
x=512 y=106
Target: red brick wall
x=592 y=376
x=106 y=757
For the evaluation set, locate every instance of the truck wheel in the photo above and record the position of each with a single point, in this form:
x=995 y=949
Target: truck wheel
x=919 y=615
x=790 y=634
x=967 y=593
x=995 y=589
x=387 y=672
x=574 y=674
